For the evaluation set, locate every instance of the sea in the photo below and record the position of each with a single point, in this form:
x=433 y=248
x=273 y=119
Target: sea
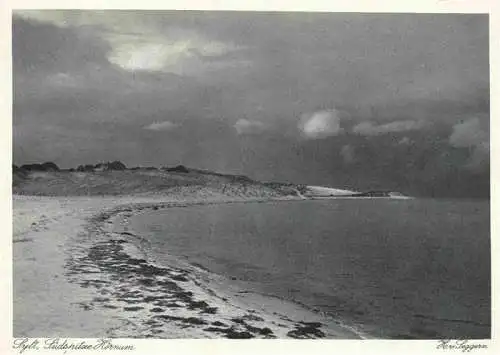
x=391 y=268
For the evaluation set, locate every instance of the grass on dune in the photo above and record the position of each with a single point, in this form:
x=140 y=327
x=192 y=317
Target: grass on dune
x=142 y=181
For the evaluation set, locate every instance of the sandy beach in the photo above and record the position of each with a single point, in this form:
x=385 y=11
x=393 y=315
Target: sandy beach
x=76 y=274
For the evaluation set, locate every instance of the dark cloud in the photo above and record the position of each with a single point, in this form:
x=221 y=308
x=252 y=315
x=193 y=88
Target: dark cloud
x=470 y=134
x=44 y=47
x=348 y=153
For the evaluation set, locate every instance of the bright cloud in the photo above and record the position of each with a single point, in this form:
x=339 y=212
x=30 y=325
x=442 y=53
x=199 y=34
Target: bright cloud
x=405 y=141
x=369 y=129
x=161 y=126
x=320 y=124
x=142 y=56
x=156 y=53
x=244 y=126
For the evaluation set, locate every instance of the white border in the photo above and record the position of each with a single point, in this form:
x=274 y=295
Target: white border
x=241 y=347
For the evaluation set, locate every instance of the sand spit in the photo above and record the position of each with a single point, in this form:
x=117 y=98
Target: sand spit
x=79 y=273
x=318 y=191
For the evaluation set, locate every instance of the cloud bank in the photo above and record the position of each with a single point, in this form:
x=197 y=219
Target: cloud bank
x=367 y=128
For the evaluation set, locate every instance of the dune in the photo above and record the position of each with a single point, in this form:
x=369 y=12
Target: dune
x=145 y=182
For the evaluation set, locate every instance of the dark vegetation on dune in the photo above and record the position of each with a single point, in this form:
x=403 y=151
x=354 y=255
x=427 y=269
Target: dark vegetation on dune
x=48 y=166
x=115 y=165
x=114 y=178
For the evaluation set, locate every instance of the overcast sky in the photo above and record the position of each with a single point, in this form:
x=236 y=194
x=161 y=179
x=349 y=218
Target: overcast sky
x=397 y=101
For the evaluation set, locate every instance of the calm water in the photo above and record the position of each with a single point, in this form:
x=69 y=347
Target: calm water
x=392 y=268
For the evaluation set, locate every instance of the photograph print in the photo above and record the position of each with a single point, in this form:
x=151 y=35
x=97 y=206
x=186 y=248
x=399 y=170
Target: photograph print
x=250 y=175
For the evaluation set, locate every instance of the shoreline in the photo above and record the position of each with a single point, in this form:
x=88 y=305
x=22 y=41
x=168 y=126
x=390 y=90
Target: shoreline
x=108 y=280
